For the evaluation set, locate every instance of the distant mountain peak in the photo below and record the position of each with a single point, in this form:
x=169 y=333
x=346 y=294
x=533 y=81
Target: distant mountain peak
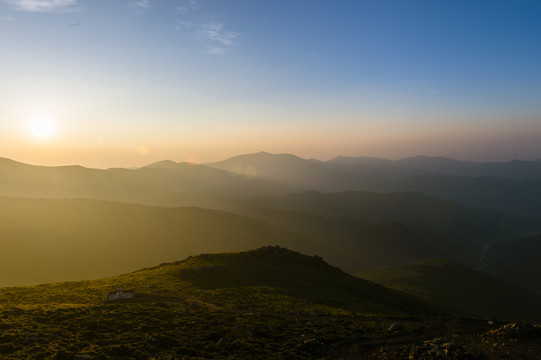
x=426 y=157
x=168 y=164
x=163 y=163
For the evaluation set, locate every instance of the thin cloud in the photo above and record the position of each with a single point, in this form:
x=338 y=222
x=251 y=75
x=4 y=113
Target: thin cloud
x=6 y=18
x=142 y=4
x=187 y=6
x=42 y=5
x=217 y=37
x=213 y=35
x=182 y=24
x=215 y=32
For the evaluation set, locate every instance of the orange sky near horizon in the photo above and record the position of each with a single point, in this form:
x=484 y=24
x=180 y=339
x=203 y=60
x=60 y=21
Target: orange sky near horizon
x=147 y=143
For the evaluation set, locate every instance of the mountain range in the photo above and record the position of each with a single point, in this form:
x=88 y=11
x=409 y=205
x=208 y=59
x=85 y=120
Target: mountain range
x=351 y=228
x=433 y=239
x=512 y=187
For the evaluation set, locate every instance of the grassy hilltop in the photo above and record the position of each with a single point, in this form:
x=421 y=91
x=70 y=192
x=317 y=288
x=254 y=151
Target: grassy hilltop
x=266 y=303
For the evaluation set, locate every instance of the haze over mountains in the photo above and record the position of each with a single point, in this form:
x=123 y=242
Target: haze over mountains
x=513 y=187
x=73 y=223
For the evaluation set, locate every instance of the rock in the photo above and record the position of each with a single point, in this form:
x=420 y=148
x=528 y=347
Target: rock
x=436 y=348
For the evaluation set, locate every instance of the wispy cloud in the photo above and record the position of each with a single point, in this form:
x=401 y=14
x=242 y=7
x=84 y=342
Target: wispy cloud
x=217 y=37
x=42 y=5
x=215 y=32
x=182 y=24
x=142 y=4
x=187 y=6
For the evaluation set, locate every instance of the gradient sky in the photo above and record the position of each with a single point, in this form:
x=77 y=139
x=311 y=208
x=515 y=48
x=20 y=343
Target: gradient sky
x=129 y=82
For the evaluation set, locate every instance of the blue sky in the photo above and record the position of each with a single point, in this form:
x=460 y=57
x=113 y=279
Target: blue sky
x=125 y=83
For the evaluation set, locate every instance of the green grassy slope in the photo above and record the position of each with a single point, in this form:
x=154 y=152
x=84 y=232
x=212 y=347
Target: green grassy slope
x=266 y=303
x=303 y=283
x=460 y=289
x=244 y=301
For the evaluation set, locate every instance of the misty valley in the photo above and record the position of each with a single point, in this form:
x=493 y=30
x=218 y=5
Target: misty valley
x=272 y=256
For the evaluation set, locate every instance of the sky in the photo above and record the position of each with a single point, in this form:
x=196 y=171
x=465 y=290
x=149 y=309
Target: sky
x=125 y=83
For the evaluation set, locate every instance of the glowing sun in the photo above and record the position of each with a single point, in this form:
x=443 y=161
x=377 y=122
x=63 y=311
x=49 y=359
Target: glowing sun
x=42 y=128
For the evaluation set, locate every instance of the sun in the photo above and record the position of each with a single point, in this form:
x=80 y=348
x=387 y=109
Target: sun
x=42 y=128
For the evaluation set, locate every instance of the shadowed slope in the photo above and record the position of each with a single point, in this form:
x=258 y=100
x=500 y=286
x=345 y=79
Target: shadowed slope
x=357 y=245
x=461 y=290
x=469 y=228
x=517 y=260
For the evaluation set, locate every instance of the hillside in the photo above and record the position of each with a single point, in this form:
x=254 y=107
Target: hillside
x=517 y=260
x=468 y=229
x=289 y=169
x=57 y=240
x=247 y=303
x=429 y=165
x=269 y=302
x=514 y=187
x=166 y=183
x=460 y=289
x=356 y=244
x=45 y=240
x=216 y=185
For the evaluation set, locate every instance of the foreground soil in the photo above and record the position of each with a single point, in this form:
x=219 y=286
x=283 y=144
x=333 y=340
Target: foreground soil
x=192 y=330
